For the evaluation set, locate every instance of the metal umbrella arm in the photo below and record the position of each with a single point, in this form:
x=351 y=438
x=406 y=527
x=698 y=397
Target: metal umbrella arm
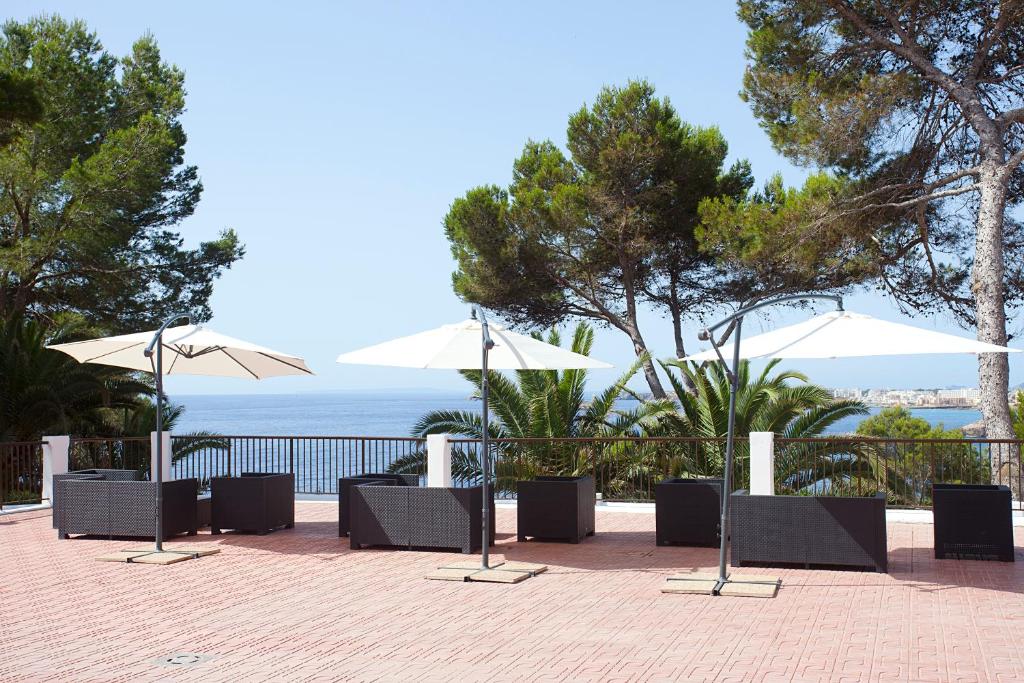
x=155 y=348
x=486 y=344
x=733 y=375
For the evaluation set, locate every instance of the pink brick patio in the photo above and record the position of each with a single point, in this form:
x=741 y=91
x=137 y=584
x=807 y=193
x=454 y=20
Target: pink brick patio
x=299 y=606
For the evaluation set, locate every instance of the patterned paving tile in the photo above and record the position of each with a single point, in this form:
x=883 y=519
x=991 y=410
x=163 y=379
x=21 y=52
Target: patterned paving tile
x=299 y=605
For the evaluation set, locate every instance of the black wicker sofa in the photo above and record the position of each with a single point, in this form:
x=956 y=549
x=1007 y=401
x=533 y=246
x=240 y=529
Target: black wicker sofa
x=384 y=513
x=114 y=503
x=808 y=530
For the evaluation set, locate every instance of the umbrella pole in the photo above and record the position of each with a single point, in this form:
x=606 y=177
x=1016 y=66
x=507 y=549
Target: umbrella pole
x=730 y=446
x=485 y=461
x=159 y=445
x=485 y=457
x=155 y=348
x=733 y=376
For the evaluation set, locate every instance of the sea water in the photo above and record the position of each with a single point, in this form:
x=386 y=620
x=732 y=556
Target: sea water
x=389 y=414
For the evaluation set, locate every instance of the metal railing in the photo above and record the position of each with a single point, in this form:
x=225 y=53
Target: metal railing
x=121 y=453
x=624 y=468
x=903 y=469
x=21 y=472
x=316 y=461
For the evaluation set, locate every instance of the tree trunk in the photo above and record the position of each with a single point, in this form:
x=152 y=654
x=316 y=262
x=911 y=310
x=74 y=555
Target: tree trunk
x=989 y=296
x=677 y=331
x=632 y=328
x=640 y=347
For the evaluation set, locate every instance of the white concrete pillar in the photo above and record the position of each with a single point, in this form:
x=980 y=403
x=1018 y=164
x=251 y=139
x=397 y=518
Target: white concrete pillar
x=55 y=461
x=762 y=463
x=166 y=455
x=439 y=460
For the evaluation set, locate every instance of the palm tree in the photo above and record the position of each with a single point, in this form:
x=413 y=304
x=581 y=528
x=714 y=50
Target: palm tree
x=784 y=403
x=542 y=405
x=44 y=391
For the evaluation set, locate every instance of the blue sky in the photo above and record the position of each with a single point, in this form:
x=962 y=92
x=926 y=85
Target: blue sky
x=334 y=136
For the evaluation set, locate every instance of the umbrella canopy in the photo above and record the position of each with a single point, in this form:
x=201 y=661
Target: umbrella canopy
x=457 y=347
x=188 y=350
x=842 y=334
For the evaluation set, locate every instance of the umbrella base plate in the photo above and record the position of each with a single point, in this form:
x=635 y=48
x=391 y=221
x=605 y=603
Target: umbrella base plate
x=184 y=550
x=499 y=576
x=735 y=585
x=150 y=556
x=499 y=572
x=451 y=574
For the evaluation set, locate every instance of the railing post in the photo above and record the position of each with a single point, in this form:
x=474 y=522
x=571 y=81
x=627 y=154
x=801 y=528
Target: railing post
x=291 y=456
x=762 y=463
x=55 y=461
x=167 y=456
x=439 y=460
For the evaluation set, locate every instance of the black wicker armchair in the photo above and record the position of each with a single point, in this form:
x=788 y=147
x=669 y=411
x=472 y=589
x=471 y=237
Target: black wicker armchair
x=255 y=501
x=556 y=508
x=973 y=521
x=346 y=483
x=808 y=530
x=383 y=513
x=94 y=505
x=688 y=511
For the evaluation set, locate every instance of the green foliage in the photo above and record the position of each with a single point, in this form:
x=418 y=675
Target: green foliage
x=47 y=392
x=19 y=104
x=899 y=423
x=92 y=189
x=1017 y=414
x=908 y=463
x=782 y=402
x=591 y=234
x=543 y=404
x=760 y=239
x=904 y=104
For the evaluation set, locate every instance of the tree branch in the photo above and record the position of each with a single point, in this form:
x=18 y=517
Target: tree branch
x=906 y=204
x=909 y=53
x=1011 y=116
x=1014 y=161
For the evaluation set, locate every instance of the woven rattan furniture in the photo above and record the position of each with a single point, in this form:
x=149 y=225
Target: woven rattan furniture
x=383 y=513
x=256 y=501
x=808 y=530
x=345 y=483
x=972 y=521
x=96 y=474
x=204 y=510
x=94 y=505
x=688 y=511
x=555 y=508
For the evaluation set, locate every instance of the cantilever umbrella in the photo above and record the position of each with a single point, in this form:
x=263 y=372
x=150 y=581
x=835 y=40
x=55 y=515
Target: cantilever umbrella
x=194 y=350
x=472 y=345
x=836 y=334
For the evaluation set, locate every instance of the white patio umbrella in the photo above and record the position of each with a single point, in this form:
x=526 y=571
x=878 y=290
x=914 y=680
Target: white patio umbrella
x=473 y=345
x=837 y=334
x=195 y=350
x=843 y=334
